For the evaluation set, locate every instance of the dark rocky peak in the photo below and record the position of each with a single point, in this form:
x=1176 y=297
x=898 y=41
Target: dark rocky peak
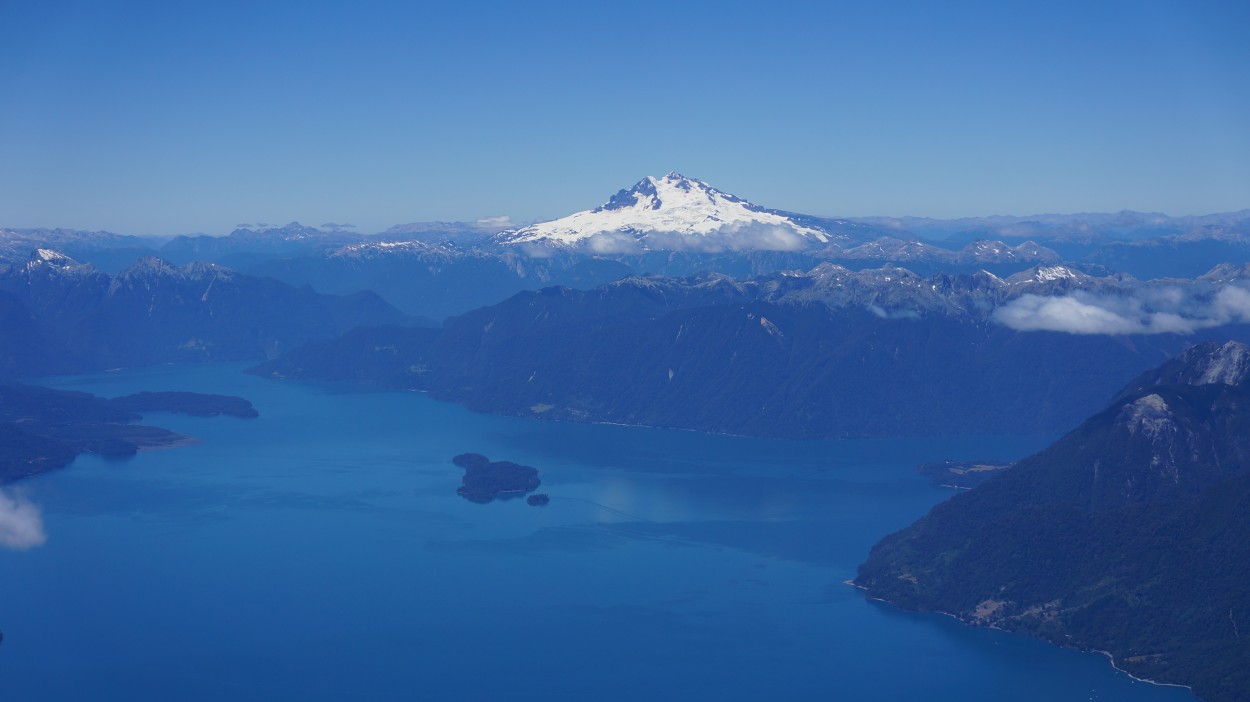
x=49 y=257
x=1208 y=363
x=292 y=231
x=705 y=288
x=49 y=264
x=1062 y=279
x=901 y=249
x=201 y=270
x=993 y=251
x=828 y=272
x=149 y=267
x=889 y=280
x=1148 y=415
x=643 y=191
x=887 y=292
x=1033 y=249
x=1226 y=272
x=1047 y=274
x=896 y=249
x=408 y=248
x=979 y=280
x=1171 y=433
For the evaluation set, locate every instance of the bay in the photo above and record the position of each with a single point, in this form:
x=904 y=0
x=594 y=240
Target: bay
x=320 y=552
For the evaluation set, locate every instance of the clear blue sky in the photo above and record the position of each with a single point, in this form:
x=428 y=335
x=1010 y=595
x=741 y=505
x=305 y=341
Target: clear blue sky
x=157 y=118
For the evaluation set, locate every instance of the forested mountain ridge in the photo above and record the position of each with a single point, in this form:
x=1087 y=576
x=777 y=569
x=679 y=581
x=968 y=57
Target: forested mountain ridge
x=1131 y=534
x=827 y=353
x=65 y=317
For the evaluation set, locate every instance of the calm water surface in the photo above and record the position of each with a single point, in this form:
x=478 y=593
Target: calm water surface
x=321 y=553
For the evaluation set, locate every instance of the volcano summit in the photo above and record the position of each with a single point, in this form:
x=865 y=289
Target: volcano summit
x=673 y=213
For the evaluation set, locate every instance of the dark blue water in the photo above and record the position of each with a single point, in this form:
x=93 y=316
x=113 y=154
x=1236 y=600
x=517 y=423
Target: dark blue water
x=321 y=553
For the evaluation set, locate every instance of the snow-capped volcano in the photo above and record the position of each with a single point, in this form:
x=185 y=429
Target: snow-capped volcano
x=673 y=213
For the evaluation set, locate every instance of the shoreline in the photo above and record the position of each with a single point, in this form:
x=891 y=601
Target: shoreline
x=528 y=414
x=182 y=440
x=1110 y=657
x=179 y=442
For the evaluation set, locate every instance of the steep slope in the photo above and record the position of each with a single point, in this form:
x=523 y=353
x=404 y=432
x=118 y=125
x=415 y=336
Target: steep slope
x=981 y=254
x=28 y=347
x=1131 y=534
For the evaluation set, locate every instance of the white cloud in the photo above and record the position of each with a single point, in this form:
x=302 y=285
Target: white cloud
x=1154 y=310
x=757 y=236
x=612 y=243
x=1064 y=314
x=21 y=524
x=744 y=236
x=1232 y=303
x=497 y=222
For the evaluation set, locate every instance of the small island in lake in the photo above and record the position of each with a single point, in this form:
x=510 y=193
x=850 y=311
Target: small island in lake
x=538 y=499
x=961 y=474
x=485 y=480
x=193 y=403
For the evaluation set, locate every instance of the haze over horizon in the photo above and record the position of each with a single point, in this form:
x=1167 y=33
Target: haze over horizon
x=154 y=119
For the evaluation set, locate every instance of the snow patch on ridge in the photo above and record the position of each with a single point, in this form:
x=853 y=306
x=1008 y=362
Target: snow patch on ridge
x=50 y=256
x=1048 y=273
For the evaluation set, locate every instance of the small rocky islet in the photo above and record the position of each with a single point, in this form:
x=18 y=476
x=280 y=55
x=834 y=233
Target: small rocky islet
x=963 y=475
x=486 y=480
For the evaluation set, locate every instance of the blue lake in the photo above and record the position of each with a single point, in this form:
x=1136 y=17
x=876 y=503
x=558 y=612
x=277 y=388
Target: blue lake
x=320 y=552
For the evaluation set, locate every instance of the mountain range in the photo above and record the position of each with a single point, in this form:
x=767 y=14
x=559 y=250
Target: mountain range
x=62 y=316
x=675 y=304
x=672 y=225
x=825 y=353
